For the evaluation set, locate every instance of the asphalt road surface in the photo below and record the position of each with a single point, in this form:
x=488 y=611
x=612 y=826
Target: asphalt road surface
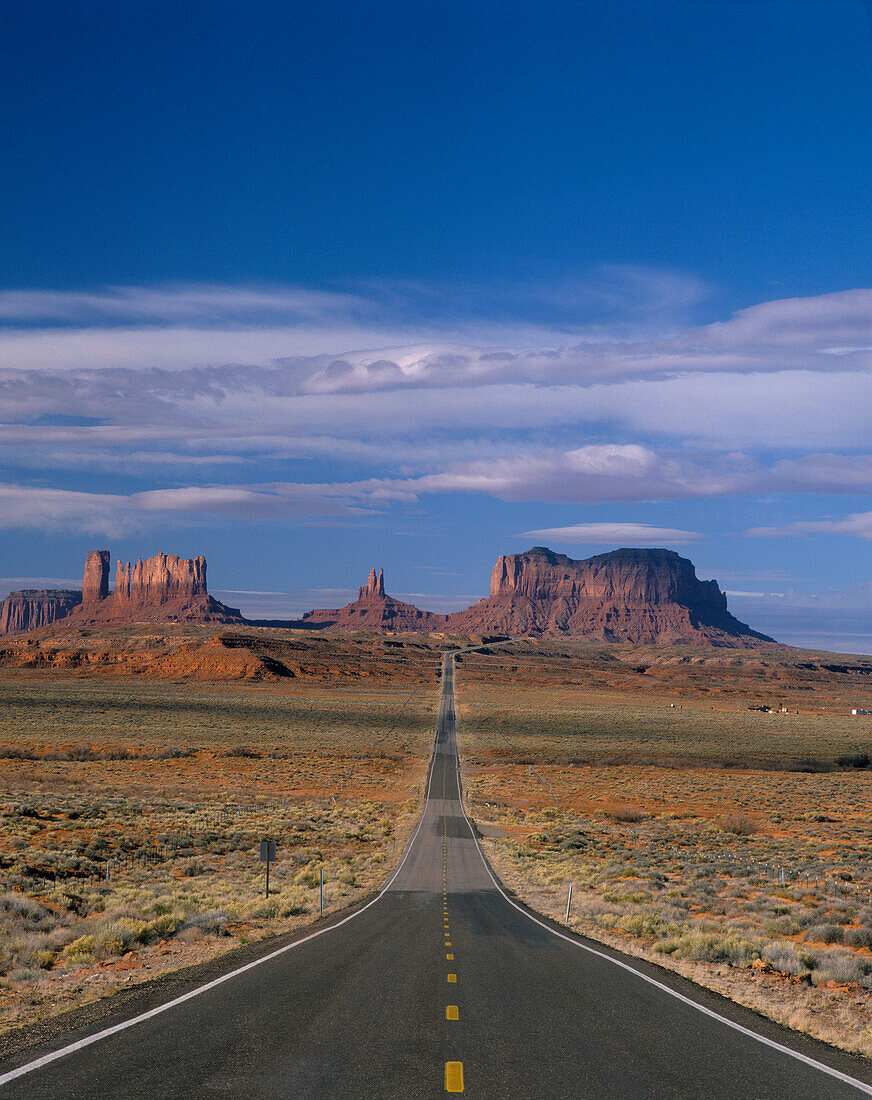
x=441 y=984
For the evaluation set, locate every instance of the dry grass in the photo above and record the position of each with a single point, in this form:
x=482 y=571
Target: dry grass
x=675 y=856
x=95 y=770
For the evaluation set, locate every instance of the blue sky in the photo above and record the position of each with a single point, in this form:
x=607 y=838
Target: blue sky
x=310 y=288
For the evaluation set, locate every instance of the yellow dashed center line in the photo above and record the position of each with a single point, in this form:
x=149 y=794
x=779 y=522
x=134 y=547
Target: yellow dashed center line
x=454 y=1076
x=453 y=1070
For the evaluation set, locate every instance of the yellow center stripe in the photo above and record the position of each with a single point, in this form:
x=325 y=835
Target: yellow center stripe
x=454 y=1076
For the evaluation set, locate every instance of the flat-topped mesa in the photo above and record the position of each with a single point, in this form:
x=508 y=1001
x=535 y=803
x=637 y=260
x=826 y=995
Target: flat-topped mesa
x=628 y=595
x=159 y=579
x=375 y=610
x=633 y=576
x=95 y=583
x=33 y=608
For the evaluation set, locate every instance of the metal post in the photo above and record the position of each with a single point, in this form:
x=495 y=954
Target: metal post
x=321 y=874
x=267 y=873
x=568 y=904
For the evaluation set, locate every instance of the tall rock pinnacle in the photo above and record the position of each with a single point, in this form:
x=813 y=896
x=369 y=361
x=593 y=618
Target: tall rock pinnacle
x=95 y=583
x=374 y=587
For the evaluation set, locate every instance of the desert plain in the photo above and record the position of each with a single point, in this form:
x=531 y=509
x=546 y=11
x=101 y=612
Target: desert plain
x=141 y=766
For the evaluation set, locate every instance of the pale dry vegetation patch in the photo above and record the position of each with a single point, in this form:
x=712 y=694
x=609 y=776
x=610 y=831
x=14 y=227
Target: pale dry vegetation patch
x=172 y=787
x=683 y=864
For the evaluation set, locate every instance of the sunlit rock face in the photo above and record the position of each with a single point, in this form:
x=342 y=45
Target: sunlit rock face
x=95 y=583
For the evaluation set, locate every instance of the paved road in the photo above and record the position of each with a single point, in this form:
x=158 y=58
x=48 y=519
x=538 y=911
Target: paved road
x=441 y=984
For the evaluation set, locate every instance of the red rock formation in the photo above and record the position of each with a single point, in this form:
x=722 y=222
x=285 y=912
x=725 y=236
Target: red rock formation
x=376 y=611
x=95 y=583
x=163 y=588
x=32 y=608
x=374 y=587
x=628 y=595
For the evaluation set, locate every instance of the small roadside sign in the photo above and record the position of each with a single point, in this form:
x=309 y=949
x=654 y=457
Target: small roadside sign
x=267 y=855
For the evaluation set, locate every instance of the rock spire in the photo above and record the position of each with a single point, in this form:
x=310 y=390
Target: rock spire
x=95 y=583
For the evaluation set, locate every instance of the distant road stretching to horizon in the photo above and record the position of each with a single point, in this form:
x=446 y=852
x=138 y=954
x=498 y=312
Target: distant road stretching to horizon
x=440 y=984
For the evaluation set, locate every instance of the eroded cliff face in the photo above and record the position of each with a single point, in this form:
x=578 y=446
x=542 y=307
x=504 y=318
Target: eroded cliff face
x=375 y=610
x=632 y=576
x=33 y=608
x=160 y=579
x=628 y=595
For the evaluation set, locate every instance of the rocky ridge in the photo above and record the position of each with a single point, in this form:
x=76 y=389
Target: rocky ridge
x=632 y=595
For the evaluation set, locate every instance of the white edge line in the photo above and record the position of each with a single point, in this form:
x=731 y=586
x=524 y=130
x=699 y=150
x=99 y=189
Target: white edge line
x=867 y=1089
x=71 y=1048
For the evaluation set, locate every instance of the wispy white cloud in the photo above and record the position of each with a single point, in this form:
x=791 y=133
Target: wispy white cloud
x=178 y=303
x=630 y=472
x=613 y=534
x=170 y=381
x=587 y=475
x=445 y=336
x=116 y=514
x=857 y=524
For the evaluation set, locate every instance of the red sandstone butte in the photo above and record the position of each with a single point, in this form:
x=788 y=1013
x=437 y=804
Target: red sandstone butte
x=628 y=595
x=163 y=588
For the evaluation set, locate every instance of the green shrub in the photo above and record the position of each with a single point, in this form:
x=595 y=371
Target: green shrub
x=638 y=924
x=162 y=928
x=782 y=956
x=120 y=936
x=837 y=966
x=858 y=937
x=43 y=959
x=710 y=947
x=80 y=950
